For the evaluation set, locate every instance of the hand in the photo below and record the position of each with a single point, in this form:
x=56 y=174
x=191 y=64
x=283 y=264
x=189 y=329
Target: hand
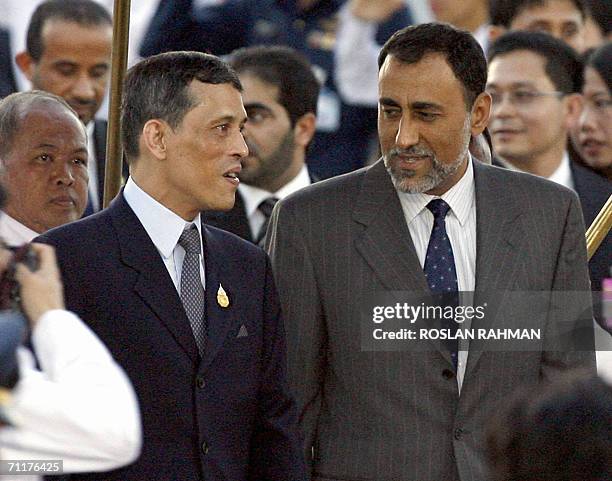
x=42 y=290
x=375 y=11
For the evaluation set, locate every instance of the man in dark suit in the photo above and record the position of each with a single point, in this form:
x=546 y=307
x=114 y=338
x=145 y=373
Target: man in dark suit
x=535 y=81
x=189 y=311
x=426 y=219
x=280 y=98
x=7 y=76
x=68 y=52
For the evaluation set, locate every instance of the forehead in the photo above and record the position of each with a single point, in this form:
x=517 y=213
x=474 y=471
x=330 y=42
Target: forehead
x=215 y=101
x=257 y=90
x=593 y=83
x=51 y=124
x=66 y=38
x=431 y=79
x=552 y=11
x=519 y=66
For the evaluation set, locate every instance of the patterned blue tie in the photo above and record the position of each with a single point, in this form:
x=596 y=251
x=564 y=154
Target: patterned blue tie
x=440 y=268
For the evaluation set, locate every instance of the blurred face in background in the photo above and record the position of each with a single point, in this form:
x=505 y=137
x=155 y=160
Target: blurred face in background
x=466 y=14
x=594 y=138
x=559 y=18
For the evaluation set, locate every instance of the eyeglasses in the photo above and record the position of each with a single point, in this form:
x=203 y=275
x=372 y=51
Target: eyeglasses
x=521 y=98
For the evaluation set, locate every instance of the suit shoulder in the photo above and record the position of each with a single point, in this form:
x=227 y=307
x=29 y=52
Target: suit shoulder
x=328 y=190
x=77 y=232
x=233 y=244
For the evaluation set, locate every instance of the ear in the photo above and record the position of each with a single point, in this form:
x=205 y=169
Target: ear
x=154 y=138
x=304 y=129
x=26 y=64
x=495 y=31
x=481 y=110
x=573 y=109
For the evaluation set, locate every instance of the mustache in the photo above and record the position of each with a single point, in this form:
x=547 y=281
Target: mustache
x=414 y=151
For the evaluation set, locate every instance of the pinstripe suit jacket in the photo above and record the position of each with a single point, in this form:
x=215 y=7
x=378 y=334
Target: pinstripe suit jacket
x=398 y=416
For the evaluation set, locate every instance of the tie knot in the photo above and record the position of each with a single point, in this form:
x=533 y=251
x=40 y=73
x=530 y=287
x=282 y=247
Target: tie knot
x=190 y=240
x=266 y=206
x=438 y=208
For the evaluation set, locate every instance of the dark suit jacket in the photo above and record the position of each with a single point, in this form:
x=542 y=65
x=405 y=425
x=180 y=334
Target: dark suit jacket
x=397 y=416
x=99 y=133
x=227 y=416
x=593 y=191
x=7 y=76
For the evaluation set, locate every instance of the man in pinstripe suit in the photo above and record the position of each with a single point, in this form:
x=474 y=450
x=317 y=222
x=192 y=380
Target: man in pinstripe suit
x=419 y=416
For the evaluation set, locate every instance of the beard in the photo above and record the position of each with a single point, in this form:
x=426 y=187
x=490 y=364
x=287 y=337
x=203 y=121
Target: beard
x=404 y=180
x=266 y=169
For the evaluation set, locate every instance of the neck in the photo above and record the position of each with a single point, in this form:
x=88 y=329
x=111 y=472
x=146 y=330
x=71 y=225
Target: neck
x=542 y=165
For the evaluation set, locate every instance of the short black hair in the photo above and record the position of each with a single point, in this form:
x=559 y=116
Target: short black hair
x=462 y=52
x=286 y=69
x=562 y=64
x=559 y=432
x=157 y=88
x=12 y=108
x=503 y=12
x=601 y=60
x=86 y=13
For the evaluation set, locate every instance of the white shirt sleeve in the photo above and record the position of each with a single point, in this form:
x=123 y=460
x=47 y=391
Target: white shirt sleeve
x=356 y=59
x=80 y=407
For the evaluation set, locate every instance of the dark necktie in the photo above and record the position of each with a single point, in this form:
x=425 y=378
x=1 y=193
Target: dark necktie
x=440 y=268
x=265 y=208
x=192 y=291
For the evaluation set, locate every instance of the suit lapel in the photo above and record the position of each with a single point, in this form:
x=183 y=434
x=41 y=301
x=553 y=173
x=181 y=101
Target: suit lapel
x=499 y=236
x=218 y=318
x=154 y=285
x=385 y=242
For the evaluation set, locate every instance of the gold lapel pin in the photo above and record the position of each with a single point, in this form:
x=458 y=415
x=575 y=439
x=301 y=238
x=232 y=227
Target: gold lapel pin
x=222 y=298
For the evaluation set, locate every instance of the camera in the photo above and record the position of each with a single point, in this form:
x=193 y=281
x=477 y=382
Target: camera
x=10 y=298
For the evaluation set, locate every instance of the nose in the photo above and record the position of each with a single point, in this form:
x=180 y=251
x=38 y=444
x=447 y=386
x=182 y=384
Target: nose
x=407 y=133
x=63 y=174
x=587 y=121
x=83 y=87
x=239 y=146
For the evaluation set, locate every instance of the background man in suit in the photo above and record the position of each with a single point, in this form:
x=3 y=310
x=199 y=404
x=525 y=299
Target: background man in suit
x=535 y=80
x=189 y=311
x=43 y=154
x=420 y=415
x=68 y=53
x=280 y=98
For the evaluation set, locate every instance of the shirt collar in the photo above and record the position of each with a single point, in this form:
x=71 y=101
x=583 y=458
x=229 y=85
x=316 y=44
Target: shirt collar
x=14 y=233
x=460 y=197
x=163 y=226
x=563 y=174
x=253 y=196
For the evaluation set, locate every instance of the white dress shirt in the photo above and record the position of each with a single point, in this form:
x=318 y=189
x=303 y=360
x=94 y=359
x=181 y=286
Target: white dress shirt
x=92 y=168
x=562 y=174
x=13 y=232
x=164 y=228
x=79 y=408
x=253 y=196
x=461 y=230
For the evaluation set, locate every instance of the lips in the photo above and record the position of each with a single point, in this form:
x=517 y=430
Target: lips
x=232 y=175
x=591 y=147
x=65 y=201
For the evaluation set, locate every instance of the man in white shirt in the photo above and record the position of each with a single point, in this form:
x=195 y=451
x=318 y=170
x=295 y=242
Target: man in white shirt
x=79 y=406
x=43 y=153
x=280 y=98
x=68 y=54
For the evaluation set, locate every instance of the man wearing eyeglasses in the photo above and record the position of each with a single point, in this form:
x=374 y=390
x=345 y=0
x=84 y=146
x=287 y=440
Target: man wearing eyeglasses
x=534 y=80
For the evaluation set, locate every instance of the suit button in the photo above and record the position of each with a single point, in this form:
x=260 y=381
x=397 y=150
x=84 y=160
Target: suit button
x=458 y=433
x=200 y=382
x=448 y=374
x=205 y=448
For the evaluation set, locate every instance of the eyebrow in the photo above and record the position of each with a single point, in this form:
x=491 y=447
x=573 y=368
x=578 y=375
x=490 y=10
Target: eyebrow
x=257 y=105
x=513 y=85
x=388 y=102
x=46 y=145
